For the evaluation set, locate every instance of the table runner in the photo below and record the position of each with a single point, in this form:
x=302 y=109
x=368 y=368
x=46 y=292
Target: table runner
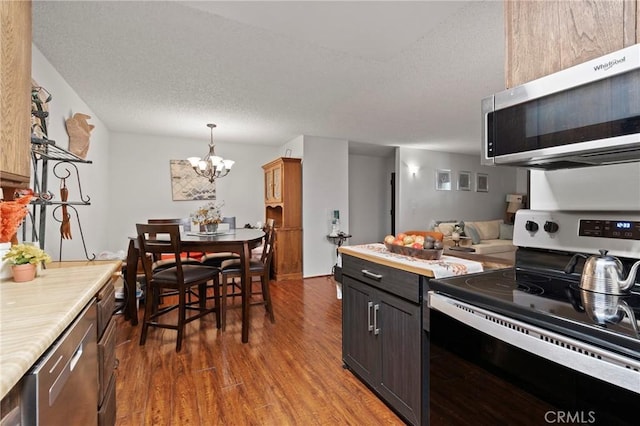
x=446 y=266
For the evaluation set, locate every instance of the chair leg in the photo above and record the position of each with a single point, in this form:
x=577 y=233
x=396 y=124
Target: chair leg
x=149 y=306
x=223 y=303
x=181 y=318
x=216 y=298
x=202 y=296
x=266 y=294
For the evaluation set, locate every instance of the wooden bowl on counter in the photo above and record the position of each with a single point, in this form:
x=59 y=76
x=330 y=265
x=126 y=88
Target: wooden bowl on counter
x=426 y=254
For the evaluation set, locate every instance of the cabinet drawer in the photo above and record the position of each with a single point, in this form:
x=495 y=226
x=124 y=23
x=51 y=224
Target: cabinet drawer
x=106 y=306
x=395 y=281
x=106 y=358
x=107 y=411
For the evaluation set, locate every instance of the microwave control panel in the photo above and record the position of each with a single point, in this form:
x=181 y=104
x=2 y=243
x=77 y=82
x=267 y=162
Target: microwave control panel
x=621 y=229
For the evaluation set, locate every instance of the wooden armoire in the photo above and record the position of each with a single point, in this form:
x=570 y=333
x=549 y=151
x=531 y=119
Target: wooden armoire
x=283 y=203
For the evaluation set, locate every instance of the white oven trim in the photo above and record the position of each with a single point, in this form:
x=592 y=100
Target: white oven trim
x=580 y=356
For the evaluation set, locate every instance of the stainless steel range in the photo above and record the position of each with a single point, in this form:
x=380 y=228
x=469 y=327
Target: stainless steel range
x=545 y=308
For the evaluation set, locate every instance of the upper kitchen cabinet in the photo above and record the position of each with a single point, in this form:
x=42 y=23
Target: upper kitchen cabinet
x=543 y=37
x=15 y=93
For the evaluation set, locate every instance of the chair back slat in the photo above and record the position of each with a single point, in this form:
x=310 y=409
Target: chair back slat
x=231 y=220
x=269 y=240
x=157 y=239
x=185 y=222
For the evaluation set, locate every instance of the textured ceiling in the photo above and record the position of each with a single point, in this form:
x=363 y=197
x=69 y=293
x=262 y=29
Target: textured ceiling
x=386 y=73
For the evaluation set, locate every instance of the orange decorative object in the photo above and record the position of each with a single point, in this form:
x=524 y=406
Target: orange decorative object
x=12 y=213
x=79 y=131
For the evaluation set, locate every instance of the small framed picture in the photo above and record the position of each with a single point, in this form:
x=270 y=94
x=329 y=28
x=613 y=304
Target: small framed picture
x=464 y=181
x=482 y=182
x=443 y=180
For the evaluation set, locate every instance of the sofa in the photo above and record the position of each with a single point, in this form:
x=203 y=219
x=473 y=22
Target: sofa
x=489 y=237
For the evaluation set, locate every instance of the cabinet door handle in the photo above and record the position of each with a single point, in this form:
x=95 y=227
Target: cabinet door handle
x=370 y=274
x=376 y=330
x=369 y=309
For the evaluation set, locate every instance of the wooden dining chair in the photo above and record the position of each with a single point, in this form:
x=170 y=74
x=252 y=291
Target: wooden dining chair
x=231 y=269
x=216 y=259
x=167 y=261
x=184 y=279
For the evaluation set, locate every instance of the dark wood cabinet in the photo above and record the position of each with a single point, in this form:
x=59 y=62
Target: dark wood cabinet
x=382 y=333
x=106 y=330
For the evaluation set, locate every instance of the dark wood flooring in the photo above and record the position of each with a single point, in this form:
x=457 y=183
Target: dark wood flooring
x=290 y=372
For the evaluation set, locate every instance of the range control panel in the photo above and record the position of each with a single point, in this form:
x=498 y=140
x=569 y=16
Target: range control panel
x=624 y=229
x=579 y=231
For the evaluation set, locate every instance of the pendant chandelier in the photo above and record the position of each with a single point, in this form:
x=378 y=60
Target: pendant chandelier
x=211 y=166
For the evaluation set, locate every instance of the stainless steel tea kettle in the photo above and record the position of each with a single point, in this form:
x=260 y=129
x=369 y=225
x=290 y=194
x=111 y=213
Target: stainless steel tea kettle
x=604 y=274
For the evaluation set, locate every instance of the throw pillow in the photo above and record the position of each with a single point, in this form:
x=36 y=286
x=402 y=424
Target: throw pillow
x=488 y=229
x=472 y=233
x=447 y=222
x=506 y=231
x=461 y=226
x=446 y=228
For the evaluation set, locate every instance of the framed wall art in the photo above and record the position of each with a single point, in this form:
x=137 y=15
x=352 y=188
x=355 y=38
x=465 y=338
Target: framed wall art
x=464 y=181
x=443 y=180
x=186 y=185
x=482 y=182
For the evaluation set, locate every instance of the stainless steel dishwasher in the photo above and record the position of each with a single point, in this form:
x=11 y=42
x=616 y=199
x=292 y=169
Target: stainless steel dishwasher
x=62 y=387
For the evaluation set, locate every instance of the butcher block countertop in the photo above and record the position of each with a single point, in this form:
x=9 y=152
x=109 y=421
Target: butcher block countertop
x=34 y=314
x=446 y=266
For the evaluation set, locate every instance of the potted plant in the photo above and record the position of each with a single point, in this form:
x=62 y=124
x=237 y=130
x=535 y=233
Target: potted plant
x=24 y=258
x=209 y=215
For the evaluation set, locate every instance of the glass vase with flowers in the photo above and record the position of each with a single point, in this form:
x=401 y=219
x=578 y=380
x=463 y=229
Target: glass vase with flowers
x=209 y=216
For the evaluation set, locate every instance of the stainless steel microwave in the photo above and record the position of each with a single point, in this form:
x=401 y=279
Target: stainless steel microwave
x=585 y=115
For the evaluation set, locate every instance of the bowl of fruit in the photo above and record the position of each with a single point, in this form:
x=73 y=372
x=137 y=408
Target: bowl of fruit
x=427 y=248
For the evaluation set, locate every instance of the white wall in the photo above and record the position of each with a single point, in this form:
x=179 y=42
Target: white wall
x=522 y=181
x=141 y=182
x=369 y=198
x=420 y=202
x=295 y=147
x=325 y=187
x=94 y=218
x=614 y=187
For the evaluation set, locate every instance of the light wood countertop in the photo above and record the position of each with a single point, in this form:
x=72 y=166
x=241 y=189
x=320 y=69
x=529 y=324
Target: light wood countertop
x=34 y=314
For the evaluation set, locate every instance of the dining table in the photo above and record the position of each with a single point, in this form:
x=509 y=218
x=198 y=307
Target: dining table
x=240 y=241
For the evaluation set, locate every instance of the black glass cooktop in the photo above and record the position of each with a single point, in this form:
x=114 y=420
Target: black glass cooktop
x=608 y=321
